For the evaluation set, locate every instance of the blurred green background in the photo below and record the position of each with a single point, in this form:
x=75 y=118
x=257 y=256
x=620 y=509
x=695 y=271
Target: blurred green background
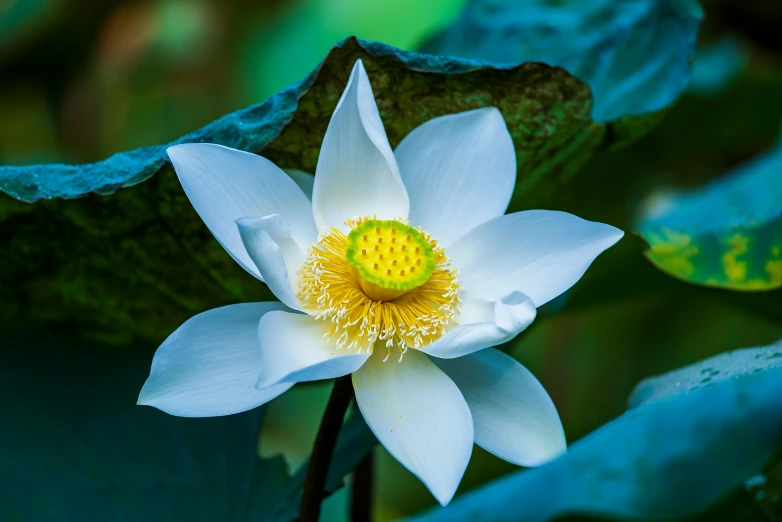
x=82 y=79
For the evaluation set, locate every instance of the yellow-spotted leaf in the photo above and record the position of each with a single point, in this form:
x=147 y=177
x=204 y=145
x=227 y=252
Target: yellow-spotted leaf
x=727 y=234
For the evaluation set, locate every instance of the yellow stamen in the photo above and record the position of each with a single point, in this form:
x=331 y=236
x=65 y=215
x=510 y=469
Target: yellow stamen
x=363 y=301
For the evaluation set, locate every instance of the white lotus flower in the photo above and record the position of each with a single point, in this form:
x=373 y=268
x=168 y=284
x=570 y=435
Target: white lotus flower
x=402 y=270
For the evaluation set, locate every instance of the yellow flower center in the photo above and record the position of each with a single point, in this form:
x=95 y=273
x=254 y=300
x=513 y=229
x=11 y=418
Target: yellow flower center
x=384 y=281
x=389 y=258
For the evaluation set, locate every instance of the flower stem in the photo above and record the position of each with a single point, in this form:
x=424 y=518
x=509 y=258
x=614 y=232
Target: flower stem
x=361 y=495
x=323 y=450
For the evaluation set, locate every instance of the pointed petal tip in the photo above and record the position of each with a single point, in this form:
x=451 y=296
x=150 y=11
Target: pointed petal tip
x=444 y=500
x=208 y=366
x=613 y=235
x=493 y=383
x=176 y=153
x=142 y=400
x=490 y=112
x=444 y=493
x=615 y=232
x=406 y=421
x=545 y=457
x=180 y=148
x=551 y=250
x=445 y=496
x=148 y=397
x=173 y=149
x=482 y=116
x=357 y=173
x=145 y=401
x=358 y=77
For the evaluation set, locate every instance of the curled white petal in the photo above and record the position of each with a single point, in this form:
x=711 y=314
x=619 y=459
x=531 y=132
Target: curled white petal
x=484 y=323
x=224 y=185
x=275 y=253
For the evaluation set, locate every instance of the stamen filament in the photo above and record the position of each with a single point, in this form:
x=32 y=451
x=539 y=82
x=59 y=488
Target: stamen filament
x=330 y=288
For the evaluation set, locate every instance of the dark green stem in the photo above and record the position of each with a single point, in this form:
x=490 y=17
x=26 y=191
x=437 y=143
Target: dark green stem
x=323 y=450
x=361 y=494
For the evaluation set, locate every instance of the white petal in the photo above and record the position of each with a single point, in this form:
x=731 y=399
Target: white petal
x=514 y=417
x=459 y=171
x=484 y=323
x=225 y=184
x=275 y=253
x=208 y=367
x=538 y=252
x=304 y=180
x=420 y=417
x=357 y=174
x=294 y=349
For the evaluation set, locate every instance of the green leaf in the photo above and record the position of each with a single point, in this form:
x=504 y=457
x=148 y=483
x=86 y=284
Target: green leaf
x=668 y=458
x=546 y=109
x=140 y=262
x=83 y=450
x=713 y=371
x=728 y=234
x=636 y=56
x=77 y=447
x=355 y=442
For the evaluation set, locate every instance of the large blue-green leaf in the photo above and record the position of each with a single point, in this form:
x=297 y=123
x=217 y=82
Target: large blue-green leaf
x=669 y=458
x=634 y=54
x=140 y=262
x=727 y=234
x=713 y=371
x=546 y=109
x=77 y=447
